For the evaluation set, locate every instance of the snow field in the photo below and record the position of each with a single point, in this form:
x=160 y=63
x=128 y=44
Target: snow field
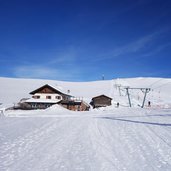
x=103 y=141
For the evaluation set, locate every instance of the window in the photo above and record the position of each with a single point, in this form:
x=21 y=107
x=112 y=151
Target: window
x=48 y=97
x=58 y=97
x=47 y=105
x=33 y=105
x=36 y=97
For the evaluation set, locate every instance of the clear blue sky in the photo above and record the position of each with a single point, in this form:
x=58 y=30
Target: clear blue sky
x=82 y=40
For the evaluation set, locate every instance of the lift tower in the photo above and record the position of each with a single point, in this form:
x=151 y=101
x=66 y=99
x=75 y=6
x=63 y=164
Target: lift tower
x=144 y=90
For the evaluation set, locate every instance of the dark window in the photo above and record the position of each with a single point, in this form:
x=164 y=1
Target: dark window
x=48 y=97
x=36 y=97
x=34 y=105
x=47 y=105
x=58 y=97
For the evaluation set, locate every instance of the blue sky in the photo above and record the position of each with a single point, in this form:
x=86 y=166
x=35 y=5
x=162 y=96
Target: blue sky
x=81 y=40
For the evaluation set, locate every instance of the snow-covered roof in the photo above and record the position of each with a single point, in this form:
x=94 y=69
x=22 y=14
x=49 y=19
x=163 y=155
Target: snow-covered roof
x=102 y=95
x=55 y=88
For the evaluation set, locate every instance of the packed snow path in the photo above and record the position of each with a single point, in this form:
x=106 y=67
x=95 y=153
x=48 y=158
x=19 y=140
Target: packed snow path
x=94 y=142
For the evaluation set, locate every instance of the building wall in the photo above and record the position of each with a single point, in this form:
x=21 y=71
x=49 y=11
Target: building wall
x=101 y=101
x=46 y=90
x=45 y=95
x=75 y=106
x=29 y=106
x=84 y=107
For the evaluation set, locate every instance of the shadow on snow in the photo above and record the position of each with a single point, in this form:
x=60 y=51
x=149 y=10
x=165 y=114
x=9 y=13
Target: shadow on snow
x=137 y=122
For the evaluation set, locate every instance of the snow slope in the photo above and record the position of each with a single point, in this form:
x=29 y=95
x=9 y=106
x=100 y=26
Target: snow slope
x=12 y=89
x=106 y=139
x=134 y=139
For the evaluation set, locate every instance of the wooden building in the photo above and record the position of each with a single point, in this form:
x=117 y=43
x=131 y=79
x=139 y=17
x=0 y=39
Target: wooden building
x=75 y=105
x=44 y=97
x=49 y=92
x=101 y=101
x=48 y=95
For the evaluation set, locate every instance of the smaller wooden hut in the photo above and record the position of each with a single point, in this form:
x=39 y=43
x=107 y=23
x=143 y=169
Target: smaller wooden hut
x=101 y=101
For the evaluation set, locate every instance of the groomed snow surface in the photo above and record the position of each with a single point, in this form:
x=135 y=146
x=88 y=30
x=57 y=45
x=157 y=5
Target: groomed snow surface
x=118 y=139
x=106 y=139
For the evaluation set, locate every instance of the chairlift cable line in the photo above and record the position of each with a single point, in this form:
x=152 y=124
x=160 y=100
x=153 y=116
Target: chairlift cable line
x=155 y=82
x=162 y=85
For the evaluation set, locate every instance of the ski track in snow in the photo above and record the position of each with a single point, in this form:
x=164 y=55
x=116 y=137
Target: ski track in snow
x=137 y=141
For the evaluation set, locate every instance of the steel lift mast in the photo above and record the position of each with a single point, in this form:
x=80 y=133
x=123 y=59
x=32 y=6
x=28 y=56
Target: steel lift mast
x=144 y=90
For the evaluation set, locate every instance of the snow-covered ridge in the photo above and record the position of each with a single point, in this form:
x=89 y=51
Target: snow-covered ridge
x=14 y=89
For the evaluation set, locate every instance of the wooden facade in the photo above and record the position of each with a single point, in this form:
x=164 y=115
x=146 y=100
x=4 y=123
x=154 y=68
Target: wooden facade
x=74 y=105
x=34 y=105
x=101 y=101
x=47 y=89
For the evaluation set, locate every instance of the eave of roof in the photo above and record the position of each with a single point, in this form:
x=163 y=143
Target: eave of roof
x=101 y=96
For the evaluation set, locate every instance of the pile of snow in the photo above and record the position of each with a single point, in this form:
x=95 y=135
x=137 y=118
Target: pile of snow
x=53 y=111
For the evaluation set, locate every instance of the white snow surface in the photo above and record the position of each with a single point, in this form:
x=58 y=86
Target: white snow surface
x=104 y=139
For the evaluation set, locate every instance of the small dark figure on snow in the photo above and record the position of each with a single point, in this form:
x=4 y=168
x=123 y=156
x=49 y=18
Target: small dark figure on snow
x=117 y=104
x=149 y=104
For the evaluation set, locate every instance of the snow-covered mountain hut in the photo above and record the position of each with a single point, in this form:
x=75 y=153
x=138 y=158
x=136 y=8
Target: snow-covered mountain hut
x=101 y=101
x=48 y=95
x=44 y=97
